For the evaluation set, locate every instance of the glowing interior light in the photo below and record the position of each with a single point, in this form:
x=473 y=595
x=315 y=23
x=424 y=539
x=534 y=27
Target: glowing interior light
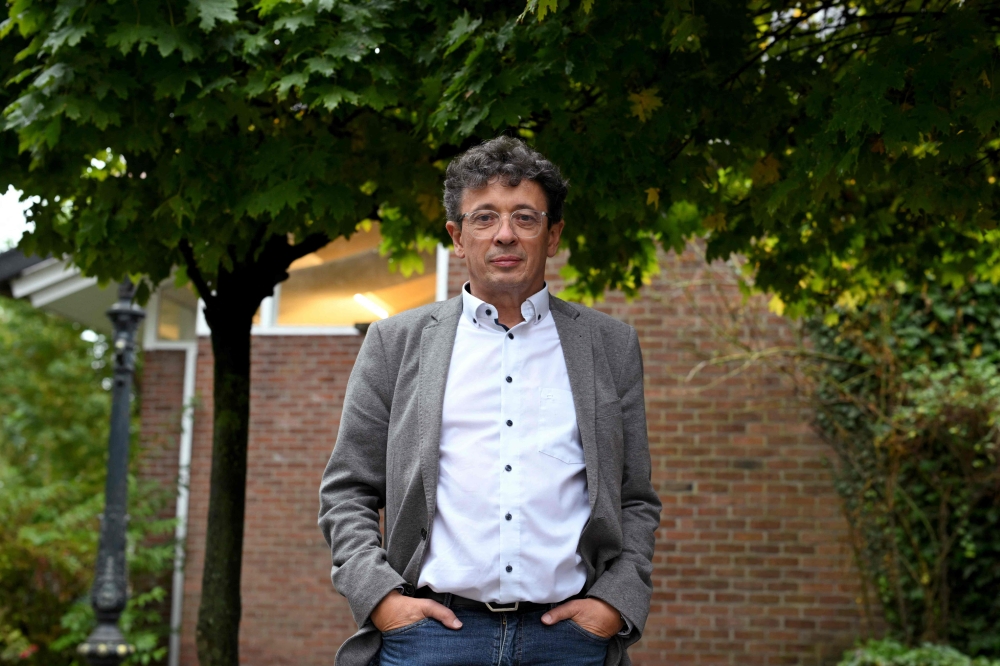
x=371 y=306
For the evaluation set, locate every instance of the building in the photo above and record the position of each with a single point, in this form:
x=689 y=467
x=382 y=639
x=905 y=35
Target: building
x=752 y=564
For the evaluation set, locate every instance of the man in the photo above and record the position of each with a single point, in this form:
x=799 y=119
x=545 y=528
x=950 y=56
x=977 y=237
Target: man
x=504 y=433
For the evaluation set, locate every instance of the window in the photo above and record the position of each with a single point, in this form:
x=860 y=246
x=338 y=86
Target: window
x=335 y=290
x=348 y=282
x=176 y=315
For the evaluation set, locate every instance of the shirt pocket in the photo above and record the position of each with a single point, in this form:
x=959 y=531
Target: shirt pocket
x=558 y=434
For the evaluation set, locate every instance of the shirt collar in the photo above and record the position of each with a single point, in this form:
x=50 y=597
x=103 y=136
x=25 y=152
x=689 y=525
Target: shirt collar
x=481 y=313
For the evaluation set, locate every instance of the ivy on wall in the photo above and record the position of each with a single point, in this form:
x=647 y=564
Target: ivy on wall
x=911 y=408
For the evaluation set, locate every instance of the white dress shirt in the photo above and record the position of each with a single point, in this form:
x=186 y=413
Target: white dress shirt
x=512 y=485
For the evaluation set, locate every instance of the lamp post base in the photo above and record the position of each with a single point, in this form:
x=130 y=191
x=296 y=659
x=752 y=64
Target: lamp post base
x=106 y=646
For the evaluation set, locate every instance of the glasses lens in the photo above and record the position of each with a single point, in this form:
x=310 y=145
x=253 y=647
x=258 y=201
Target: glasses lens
x=483 y=222
x=526 y=222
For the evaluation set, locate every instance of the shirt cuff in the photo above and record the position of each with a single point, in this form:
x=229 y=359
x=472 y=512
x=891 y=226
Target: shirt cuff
x=628 y=626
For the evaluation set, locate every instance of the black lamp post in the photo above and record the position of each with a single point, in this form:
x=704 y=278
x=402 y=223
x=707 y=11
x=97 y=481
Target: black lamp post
x=107 y=646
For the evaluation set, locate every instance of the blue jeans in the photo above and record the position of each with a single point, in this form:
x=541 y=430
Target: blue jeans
x=492 y=639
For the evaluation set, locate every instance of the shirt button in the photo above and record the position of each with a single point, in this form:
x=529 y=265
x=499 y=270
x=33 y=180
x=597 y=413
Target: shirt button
x=509 y=568
x=510 y=335
x=474 y=321
x=489 y=312
x=508 y=516
x=509 y=422
x=510 y=379
x=507 y=467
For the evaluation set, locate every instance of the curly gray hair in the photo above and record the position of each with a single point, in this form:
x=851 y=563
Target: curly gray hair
x=506 y=159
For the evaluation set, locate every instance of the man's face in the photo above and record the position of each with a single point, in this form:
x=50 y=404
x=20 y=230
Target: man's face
x=506 y=263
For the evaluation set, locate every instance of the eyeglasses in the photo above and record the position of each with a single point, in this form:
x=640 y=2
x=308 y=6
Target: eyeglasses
x=525 y=223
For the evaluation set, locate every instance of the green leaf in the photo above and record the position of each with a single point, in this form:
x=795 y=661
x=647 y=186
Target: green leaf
x=209 y=12
x=461 y=30
x=330 y=97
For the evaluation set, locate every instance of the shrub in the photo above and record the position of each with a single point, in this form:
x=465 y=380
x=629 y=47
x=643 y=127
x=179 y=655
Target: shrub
x=911 y=408
x=893 y=653
x=54 y=419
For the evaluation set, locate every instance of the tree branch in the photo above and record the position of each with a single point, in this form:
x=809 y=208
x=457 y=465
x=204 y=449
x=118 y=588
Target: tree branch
x=309 y=244
x=194 y=273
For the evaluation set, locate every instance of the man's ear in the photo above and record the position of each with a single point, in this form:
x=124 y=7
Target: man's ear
x=555 y=233
x=456 y=238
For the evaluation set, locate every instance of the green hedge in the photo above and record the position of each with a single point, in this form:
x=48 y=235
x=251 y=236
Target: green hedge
x=893 y=653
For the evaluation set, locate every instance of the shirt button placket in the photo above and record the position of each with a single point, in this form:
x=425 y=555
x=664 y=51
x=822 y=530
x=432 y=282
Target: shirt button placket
x=509 y=443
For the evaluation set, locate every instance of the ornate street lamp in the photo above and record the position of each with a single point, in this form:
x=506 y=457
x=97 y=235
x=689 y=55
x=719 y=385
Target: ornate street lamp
x=107 y=646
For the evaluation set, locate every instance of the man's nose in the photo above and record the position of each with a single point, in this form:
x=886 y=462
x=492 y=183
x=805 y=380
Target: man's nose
x=505 y=234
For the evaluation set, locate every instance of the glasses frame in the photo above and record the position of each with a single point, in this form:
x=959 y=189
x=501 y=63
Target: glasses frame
x=499 y=226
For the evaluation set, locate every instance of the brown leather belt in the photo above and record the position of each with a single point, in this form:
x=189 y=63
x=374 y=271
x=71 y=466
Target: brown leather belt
x=455 y=601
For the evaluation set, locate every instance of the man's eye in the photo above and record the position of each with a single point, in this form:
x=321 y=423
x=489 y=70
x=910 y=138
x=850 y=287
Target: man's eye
x=484 y=218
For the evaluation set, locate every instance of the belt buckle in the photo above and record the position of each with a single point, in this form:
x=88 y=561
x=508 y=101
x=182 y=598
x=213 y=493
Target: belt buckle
x=504 y=609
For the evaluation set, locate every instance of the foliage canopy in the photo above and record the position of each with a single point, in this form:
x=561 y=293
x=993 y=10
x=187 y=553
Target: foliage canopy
x=842 y=147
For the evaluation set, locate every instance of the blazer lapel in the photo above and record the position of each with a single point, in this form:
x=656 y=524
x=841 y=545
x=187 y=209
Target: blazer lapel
x=436 y=343
x=578 y=351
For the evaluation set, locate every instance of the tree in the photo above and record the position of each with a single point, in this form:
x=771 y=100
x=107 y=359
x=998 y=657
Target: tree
x=219 y=141
x=843 y=147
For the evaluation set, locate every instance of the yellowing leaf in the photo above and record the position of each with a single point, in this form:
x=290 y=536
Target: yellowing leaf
x=546 y=6
x=765 y=171
x=653 y=197
x=644 y=103
x=430 y=206
x=985 y=79
x=587 y=6
x=715 y=222
x=776 y=305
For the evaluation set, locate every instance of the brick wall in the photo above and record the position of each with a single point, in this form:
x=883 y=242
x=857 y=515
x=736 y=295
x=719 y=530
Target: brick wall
x=161 y=387
x=750 y=566
x=291 y=614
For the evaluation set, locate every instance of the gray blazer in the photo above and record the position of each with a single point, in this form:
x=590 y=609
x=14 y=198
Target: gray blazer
x=386 y=455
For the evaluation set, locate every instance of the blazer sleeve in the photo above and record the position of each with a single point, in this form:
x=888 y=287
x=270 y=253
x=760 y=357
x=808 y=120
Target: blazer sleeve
x=353 y=486
x=627 y=583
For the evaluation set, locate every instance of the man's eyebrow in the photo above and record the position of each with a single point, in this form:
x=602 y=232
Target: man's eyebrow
x=492 y=206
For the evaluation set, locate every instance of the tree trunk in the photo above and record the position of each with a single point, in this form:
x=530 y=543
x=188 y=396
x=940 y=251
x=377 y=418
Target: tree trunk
x=219 y=613
x=231 y=300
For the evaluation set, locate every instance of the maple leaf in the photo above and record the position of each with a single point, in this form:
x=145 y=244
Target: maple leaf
x=776 y=305
x=653 y=197
x=644 y=103
x=210 y=11
x=546 y=6
x=765 y=171
x=430 y=206
x=715 y=222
